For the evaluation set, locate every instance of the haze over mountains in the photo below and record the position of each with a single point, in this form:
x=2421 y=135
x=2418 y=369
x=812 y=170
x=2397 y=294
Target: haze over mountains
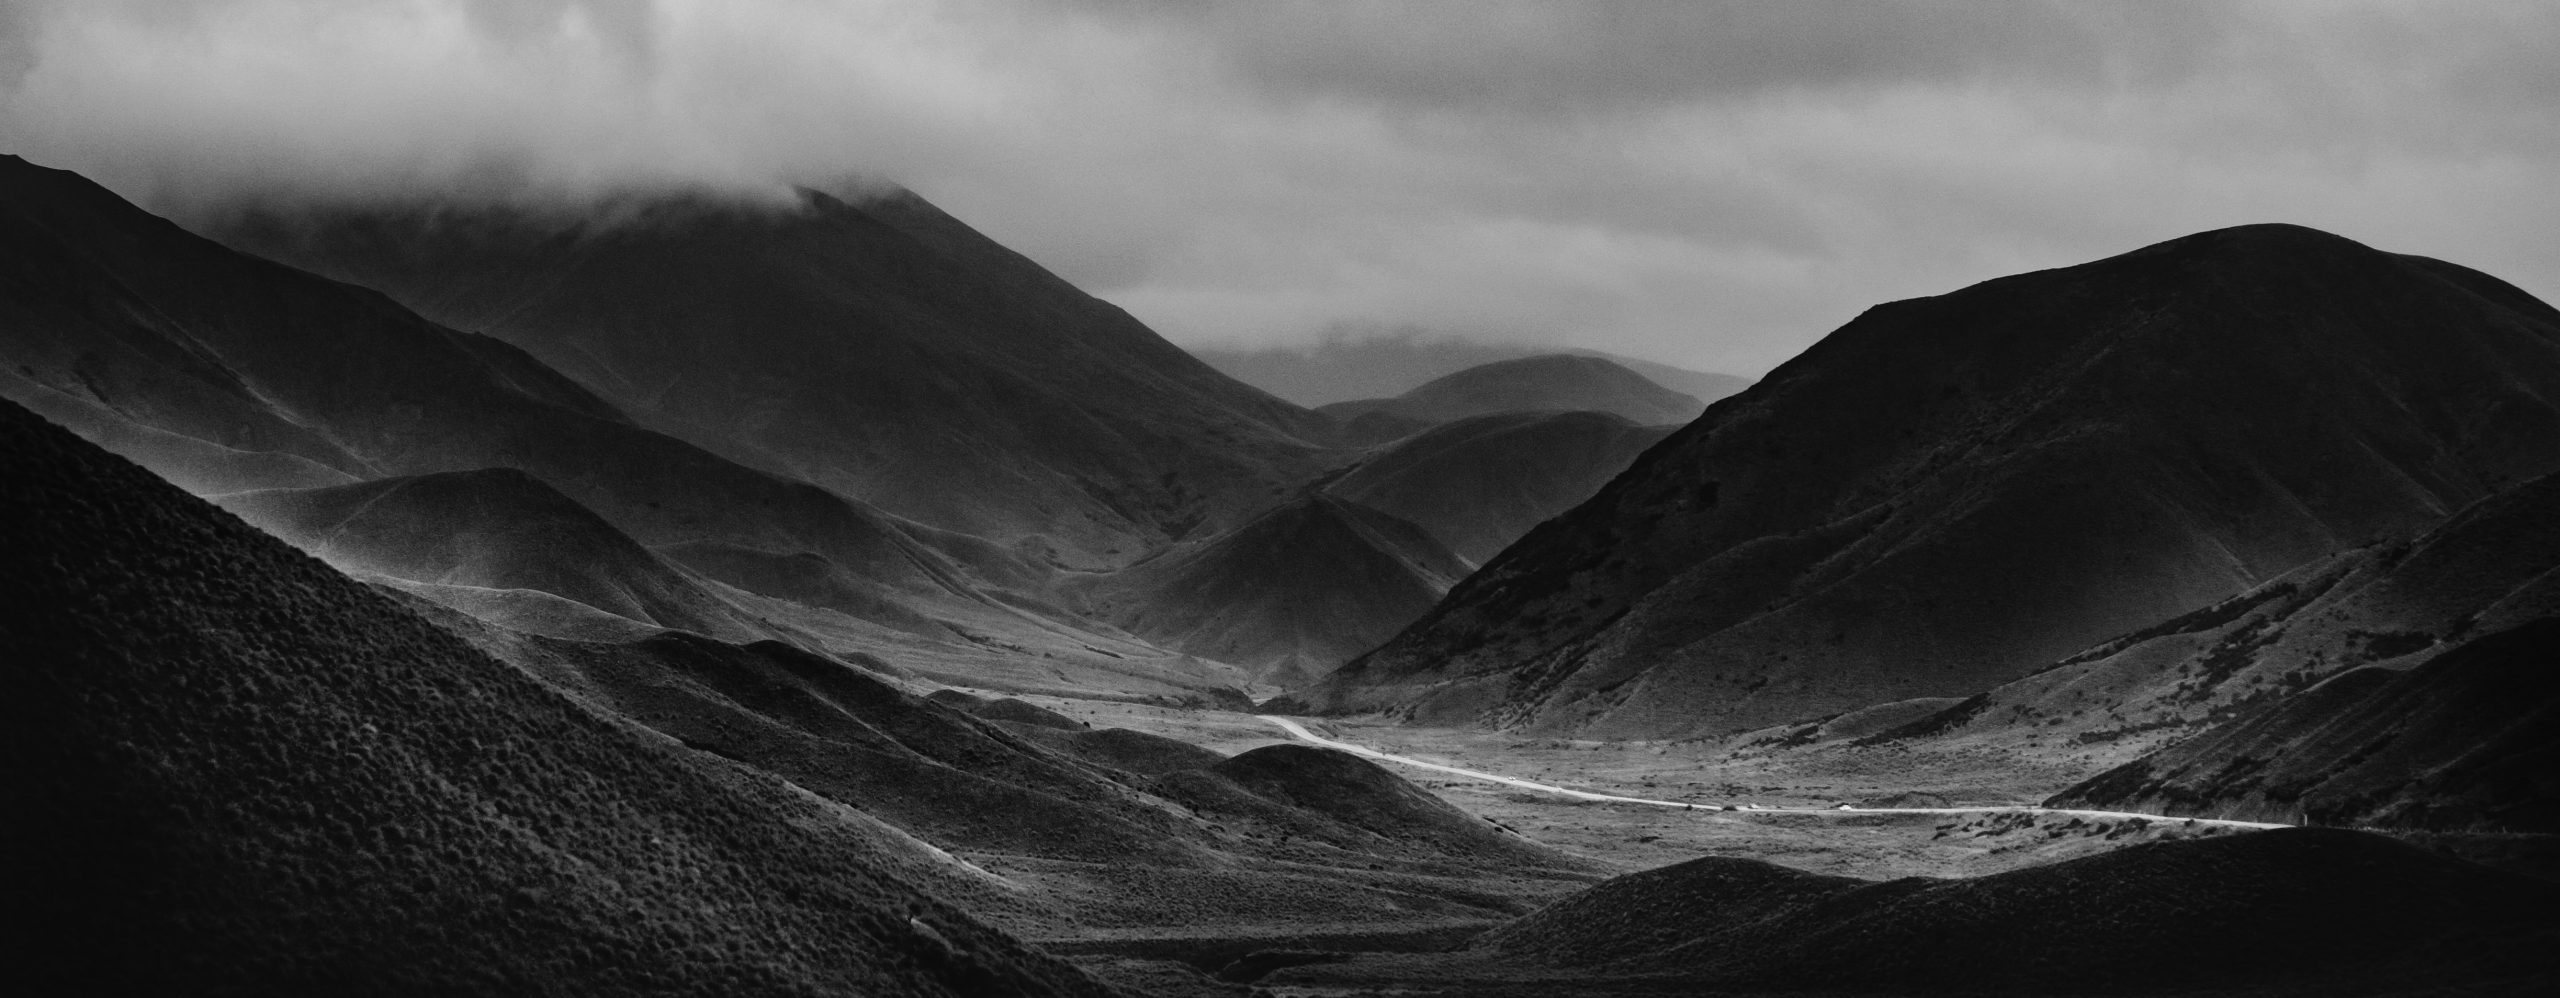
x=1950 y=492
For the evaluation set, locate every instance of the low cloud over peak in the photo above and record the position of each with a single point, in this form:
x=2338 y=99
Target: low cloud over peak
x=1714 y=185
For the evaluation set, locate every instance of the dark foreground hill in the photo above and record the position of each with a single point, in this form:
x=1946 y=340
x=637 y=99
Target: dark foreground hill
x=872 y=345
x=2296 y=911
x=234 y=770
x=1545 y=383
x=1478 y=484
x=1293 y=592
x=1949 y=492
x=2468 y=741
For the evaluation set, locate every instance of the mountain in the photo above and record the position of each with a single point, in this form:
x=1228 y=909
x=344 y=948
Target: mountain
x=1950 y=491
x=2293 y=911
x=227 y=372
x=236 y=770
x=1546 y=383
x=1344 y=369
x=871 y=345
x=2467 y=741
x=1293 y=592
x=2492 y=567
x=1480 y=483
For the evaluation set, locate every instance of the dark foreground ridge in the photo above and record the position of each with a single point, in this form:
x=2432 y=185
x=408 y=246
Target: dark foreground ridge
x=234 y=770
x=2300 y=911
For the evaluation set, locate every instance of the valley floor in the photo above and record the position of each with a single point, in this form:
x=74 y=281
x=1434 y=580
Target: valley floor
x=1628 y=837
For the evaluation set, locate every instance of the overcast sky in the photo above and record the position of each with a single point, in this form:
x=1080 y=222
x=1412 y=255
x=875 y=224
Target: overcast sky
x=1714 y=185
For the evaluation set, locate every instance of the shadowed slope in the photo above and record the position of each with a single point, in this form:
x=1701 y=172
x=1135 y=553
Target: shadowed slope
x=874 y=346
x=236 y=770
x=2491 y=567
x=1293 y=593
x=1478 y=484
x=2468 y=741
x=1949 y=491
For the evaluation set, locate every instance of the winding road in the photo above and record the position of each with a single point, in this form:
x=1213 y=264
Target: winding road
x=1299 y=731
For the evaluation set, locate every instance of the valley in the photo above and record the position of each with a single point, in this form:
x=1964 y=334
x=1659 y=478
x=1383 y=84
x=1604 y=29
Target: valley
x=678 y=585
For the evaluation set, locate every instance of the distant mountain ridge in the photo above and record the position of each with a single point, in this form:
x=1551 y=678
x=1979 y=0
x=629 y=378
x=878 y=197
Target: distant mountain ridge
x=1544 y=383
x=2070 y=454
x=1348 y=368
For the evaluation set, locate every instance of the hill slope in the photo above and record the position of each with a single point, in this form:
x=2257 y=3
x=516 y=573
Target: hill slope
x=2467 y=741
x=1479 y=484
x=873 y=345
x=244 y=772
x=2070 y=454
x=2492 y=567
x=1292 y=593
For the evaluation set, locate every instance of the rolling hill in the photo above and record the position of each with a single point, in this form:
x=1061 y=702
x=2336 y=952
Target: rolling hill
x=2071 y=454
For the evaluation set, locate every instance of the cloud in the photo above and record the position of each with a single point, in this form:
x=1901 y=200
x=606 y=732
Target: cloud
x=1710 y=184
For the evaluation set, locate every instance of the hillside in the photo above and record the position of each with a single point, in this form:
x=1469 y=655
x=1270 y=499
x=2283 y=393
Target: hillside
x=1290 y=594
x=2467 y=741
x=871 y=345
x=1480 y=483
x=2392 y=604
x=2296 y=911
x=2073 y=454
x=1545 y=383
x=247 y=773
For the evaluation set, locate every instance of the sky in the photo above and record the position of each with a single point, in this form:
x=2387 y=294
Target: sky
x=1711 y=185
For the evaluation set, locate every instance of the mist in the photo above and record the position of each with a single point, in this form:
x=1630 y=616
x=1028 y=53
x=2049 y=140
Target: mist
x=1714 y=186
